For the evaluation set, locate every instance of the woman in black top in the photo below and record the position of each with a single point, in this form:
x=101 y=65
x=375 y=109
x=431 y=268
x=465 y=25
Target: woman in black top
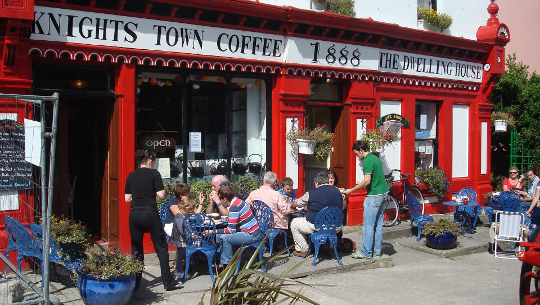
x=142 y=186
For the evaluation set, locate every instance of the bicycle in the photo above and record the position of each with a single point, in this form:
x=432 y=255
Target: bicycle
x=393 y=206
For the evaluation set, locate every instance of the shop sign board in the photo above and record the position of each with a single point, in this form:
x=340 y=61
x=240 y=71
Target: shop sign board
x=72 y=26
x=15 y=172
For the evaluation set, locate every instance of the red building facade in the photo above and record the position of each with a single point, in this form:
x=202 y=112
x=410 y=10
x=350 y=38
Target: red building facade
x=208 y=85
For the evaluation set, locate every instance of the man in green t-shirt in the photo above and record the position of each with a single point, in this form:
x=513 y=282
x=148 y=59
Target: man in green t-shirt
x=376 y=186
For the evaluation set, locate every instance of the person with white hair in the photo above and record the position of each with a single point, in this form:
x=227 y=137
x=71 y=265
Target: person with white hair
x=277 y=203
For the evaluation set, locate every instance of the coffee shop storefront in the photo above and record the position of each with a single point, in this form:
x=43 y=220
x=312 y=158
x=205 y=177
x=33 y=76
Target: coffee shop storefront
x=211 y=88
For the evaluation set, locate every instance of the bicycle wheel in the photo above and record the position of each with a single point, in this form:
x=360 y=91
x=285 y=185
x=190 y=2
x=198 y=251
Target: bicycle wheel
x=413 y=189
x=391 y=206
x=528 y=285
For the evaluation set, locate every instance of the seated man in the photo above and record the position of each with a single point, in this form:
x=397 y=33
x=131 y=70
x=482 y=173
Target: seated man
x=529 y=195
x=215 y=204
x=243 y=228
x=321 y=196
x=277 y=203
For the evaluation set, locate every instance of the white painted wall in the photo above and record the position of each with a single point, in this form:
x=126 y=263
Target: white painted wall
x=460 y=141
x=484 y=148
x=391 y=154
x=291 y=165
x=468 y=15
x=360 y=130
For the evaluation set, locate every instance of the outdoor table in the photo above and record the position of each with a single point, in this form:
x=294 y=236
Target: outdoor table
x=470 y=204
x=456 y=204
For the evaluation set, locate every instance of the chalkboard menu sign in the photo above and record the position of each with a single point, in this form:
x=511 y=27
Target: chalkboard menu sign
x=15 y=172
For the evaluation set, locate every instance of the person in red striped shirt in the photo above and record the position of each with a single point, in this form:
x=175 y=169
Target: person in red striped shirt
x=243 y=228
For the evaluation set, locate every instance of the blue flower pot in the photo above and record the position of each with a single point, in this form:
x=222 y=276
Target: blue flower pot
x=112 y=291
x=446 y=240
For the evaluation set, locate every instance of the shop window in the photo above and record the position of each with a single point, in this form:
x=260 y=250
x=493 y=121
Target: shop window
x=428 y=3
x=223 y=124
x=325 y=90
x=426 y=134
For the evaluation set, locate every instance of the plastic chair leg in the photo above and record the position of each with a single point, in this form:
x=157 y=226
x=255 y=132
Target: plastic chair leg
x=188 y=259
x=410 y=231
x=271 y=238
x=210 y=259
x=286 y=245
x=335 y=251
x=317 y=246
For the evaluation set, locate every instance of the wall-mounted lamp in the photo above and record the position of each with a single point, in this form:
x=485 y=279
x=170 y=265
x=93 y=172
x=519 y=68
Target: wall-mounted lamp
x=79 y=83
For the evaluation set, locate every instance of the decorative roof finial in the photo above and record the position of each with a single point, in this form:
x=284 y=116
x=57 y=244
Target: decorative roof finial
x=493 y=9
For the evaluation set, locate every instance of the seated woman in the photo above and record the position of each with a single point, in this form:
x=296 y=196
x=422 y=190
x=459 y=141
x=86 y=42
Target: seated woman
x=514 y=182
x=243 y=228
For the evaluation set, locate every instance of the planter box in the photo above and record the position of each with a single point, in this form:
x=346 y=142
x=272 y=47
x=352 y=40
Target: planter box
x=305 y=147
x=500 y=125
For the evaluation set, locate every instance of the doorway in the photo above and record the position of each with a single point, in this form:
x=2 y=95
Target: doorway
x=336 y=118
x=89 y=142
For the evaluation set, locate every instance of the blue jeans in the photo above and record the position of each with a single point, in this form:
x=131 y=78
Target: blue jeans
x=228 y=242
x=373 y=223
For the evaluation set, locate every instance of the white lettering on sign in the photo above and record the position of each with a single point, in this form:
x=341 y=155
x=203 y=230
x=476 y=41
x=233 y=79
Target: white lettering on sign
x=71 y=26
x=158 y=143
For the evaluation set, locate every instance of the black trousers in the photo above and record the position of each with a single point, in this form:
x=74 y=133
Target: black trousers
x=146 y=220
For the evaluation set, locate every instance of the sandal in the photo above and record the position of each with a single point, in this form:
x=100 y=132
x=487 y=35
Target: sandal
x=357 y=255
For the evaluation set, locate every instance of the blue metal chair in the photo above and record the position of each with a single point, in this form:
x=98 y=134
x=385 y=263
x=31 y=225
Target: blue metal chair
x=273 y=233
x=57 y=254
x=265 y=218
x=196 y=228
x=416 y=214
x=509 y=202
x=166 y=216
x=327 y=221
x=465 y=213
x=20 y=240
x=473 y=197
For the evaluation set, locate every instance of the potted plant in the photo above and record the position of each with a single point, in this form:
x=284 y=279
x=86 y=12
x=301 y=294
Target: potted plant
x=316 y=141
x=441 y=21
x=502 y=120
x=342 y=7
x=441 y=234
x=108 y=275
x=71 y=236
x=377 y=139
x=435 y=179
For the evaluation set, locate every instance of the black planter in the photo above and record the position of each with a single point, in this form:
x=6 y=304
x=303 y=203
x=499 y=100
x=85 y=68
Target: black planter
x=446 y=240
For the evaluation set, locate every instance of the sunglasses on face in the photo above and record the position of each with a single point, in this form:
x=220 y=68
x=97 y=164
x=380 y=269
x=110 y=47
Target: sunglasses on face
x=513 y=172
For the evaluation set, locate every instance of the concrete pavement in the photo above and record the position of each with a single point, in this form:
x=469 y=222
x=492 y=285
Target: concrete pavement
x=407 y=273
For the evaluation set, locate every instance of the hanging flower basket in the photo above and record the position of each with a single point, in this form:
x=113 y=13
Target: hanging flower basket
x=500 y=125
x=305 y=147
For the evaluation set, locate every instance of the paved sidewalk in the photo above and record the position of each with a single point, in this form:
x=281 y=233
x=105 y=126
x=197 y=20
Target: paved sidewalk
x=151 y=290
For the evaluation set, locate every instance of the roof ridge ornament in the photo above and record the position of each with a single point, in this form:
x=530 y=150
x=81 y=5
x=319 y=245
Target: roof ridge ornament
x=493 y=31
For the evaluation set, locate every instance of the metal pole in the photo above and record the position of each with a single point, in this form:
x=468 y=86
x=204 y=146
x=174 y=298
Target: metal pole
x=50 y=184
x=44 y=206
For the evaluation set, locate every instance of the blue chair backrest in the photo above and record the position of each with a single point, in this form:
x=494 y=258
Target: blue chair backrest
x=165 y=213
x=19 y=238
x=469 y=193
x=56 y=250
x=263 y=214
x=196 y=227
x=413 y=204
x=328 y=220
x=509 y=201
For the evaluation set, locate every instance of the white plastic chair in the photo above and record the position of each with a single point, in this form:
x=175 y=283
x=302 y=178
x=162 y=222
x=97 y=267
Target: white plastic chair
x=510 y=228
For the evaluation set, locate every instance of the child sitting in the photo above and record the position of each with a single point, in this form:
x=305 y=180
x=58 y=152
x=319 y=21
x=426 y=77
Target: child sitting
x=181 y=206
x=287 y=189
